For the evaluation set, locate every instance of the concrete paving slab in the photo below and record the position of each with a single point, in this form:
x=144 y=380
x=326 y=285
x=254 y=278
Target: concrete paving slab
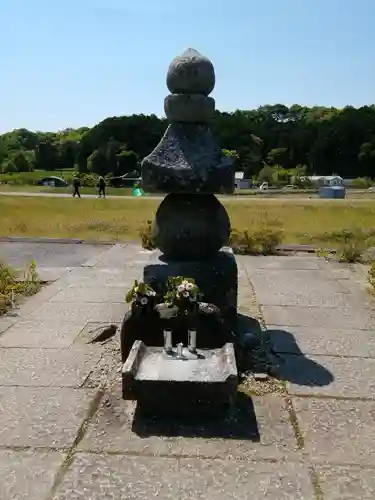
x=227 y=480
x=28 y=475
x=120 y=477
x=263 y=430
x=329 y=376
x=327 y=317
x=6 y=322
x=346 y=483
x=301 y=288
x=46 y=367
x=121 y=255
x=27 y=305
x=20 y=254
x=36 y=334
x=315 y=340
x=94 y=277
x=42 y=417
x=67 y=313
x=51 y=274
x=291 y=262
x=99 y=295
x=117 y=476
x=337 y=431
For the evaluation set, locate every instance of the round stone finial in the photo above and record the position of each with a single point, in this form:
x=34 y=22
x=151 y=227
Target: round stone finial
x=191 y=73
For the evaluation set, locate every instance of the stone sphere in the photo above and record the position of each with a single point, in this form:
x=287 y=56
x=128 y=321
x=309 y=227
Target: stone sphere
x=191 y=226
x=191 y=73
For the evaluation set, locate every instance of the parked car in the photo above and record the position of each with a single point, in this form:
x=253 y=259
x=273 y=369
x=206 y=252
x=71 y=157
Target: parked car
x=52 y=181
x=372 y=189
x=264 y=186
x=290 y=186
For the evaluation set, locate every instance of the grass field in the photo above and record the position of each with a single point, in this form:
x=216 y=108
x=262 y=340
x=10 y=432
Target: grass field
x=62 y=190
x=302 y=221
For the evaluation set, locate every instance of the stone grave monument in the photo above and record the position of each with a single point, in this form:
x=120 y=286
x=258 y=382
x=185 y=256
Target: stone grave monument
x=190 y=231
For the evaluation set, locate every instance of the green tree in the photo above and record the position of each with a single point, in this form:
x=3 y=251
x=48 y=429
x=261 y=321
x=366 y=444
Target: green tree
x=47 y=156
x=98 y=163
x=21 y=163
x=266 y=174
x=9 y=168
x=126 y=162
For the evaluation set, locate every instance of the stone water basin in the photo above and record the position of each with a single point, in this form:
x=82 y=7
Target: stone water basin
x=162 y=382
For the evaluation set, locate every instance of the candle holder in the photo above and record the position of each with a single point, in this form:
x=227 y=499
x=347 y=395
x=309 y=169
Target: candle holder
x=192 y=341
x=168 y=341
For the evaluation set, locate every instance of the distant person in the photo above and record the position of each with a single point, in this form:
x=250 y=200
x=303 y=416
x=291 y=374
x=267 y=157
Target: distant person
x=101 y=186
x=76 y=187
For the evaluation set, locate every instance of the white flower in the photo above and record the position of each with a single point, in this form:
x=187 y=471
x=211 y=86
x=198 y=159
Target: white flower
x=151 y=293
x=190 y=286
x=181 y=288
x=144 y=301
x=185 y=294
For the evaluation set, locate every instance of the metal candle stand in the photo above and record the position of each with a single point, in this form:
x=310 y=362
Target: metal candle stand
x=179 y=352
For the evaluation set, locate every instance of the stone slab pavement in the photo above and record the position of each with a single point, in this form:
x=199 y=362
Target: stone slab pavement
x=65 y=432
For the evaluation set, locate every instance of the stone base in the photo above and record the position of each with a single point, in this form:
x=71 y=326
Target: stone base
x=216 y=277
x=161 y=383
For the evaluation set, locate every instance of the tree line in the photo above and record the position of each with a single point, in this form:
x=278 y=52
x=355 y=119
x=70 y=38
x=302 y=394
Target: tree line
x=315 y=140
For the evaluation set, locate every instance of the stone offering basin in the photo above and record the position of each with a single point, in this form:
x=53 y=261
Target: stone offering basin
x=164 y=383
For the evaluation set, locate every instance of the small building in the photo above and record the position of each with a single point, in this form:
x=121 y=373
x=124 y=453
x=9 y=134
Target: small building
x=326 y=180
x=332 y=192
x=240 y=182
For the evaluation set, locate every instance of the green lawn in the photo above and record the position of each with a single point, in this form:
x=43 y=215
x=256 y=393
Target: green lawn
x=321 y=222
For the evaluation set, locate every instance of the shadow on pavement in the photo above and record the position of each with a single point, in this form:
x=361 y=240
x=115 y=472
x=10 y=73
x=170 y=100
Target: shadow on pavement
x=294 y=366
x=240 y=423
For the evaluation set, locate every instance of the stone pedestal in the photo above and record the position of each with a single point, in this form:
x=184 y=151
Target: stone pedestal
x=217 y=278
x=162 y=383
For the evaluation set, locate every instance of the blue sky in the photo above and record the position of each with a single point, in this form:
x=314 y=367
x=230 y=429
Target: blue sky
x=69 y=63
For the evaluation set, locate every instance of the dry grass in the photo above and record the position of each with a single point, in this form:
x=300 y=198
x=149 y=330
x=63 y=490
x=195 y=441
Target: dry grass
x=302 y=221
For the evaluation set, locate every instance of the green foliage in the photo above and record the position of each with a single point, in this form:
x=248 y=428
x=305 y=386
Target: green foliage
x=88 y=180
x=9 y=168
x=263 y=241
x=281 y=175
x=31 y=178
x=97 y=162
x=140 y=293
x=278 y=156
x=126 y=162
x=11 y=288
x=362 y=182
x=351 y=251
x=325 y=140
x=145 y=234
x=46 y=155
x=182 y=293
x=266 y=174
x=21 y=163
